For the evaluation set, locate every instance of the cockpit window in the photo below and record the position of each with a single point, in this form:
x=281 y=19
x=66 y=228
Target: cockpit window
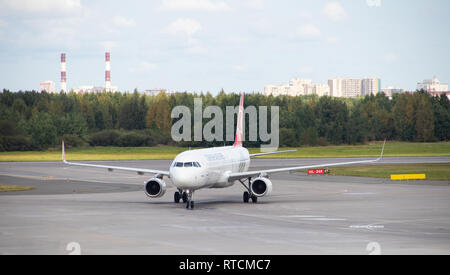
x=187 y=164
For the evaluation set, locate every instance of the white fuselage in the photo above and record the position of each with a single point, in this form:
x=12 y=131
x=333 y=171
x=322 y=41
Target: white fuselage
x=208 y=168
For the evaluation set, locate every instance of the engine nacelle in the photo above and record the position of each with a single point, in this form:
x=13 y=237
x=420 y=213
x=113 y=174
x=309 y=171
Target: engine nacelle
x=261 y=187
x=155 y=188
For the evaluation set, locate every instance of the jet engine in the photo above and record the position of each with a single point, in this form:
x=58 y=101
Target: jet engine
x=261 y=187
x=155 y=188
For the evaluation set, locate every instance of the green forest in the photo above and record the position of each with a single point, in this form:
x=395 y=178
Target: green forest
x=36 y=121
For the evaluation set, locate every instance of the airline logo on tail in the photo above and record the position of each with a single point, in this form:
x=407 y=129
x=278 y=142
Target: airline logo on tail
x=240 y=122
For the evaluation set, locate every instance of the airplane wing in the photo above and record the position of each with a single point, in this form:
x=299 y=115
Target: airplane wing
x=140 y=171
x=238 y=176
x=272 y=153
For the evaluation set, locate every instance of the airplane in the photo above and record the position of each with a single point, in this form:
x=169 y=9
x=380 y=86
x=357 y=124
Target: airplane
x=218 y=167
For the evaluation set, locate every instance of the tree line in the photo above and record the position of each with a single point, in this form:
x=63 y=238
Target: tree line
x=34 y=121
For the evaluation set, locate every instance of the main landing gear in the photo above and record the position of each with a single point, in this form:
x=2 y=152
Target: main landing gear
x=185 y=196
x=176 y=197
x=248 y=194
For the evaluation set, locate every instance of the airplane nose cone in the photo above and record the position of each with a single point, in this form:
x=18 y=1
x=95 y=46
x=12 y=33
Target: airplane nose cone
x=183 y=178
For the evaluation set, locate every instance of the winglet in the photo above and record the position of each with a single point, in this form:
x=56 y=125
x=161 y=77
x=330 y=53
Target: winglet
x=63 y=152
x=240 y=124
x=382 y=150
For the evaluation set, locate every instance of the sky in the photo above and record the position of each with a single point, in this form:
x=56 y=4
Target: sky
x=237 y=45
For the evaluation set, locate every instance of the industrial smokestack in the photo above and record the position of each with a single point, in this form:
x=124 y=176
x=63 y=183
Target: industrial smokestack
x=107 y=72
x=63 y=73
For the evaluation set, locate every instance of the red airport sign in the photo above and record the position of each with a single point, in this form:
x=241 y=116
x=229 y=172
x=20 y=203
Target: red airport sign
x=316 y=171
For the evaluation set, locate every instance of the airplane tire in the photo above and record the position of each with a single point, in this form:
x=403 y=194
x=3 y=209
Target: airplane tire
x=254 y=199
x=192 y=204
x=184 y=197
x=176 y=197
x=246 y=197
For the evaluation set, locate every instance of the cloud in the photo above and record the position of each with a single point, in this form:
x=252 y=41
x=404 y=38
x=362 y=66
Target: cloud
x=183 y=31
x=186 y=27
x=194 y=5
x=308 y=32
x=3 y=23
x=240 y=67
x=143 y=67
x=262 y=27
x=57 y=21
x=374 y=3
x=194 y=46
x=121 y=21
x=254 y=4
x=109 y=45
x=60 y=36
x=390 y=57
x=41 y=6
x=332 y=40
x=334 y=11
x=306 y=15
x=306 y=70
x=46 y=33
x=197 y=50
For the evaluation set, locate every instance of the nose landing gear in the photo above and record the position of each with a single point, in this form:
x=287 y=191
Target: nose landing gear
x=186 y=196
x=180 y=195
x=189 y=199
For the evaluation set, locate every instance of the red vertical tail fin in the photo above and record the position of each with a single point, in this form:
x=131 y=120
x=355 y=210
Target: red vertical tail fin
x=240 y=124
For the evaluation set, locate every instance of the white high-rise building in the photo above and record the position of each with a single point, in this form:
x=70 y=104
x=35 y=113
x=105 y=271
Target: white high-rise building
x=335 y=87
x=154 y=92
x=370 y=86
x=354 y=87
x=271 y=90
x=351 y=87
x=345 y=87
x=432 y=85
x=90 y=89
x=297 y=87
x=321 y=90
x=390 y=91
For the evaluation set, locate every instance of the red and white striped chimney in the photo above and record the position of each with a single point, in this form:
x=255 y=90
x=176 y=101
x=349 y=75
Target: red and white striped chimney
x=63 y=73
x=107 y=71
